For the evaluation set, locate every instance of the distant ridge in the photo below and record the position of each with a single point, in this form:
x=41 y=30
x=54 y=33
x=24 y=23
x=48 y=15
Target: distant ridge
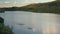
x=50 y=7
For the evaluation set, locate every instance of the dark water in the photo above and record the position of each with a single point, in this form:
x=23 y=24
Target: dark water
x=32 y=23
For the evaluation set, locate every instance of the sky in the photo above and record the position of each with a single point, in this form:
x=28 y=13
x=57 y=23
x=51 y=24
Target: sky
x=25 y=0
x=10 y=3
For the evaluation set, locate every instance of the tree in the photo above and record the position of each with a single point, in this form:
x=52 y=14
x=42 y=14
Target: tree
x=1 y=20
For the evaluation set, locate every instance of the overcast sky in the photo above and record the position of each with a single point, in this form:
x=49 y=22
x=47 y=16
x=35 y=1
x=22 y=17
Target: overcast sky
x=9 y=3
x=25 y=0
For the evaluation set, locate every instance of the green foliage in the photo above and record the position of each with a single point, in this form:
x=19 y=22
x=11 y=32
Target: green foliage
x=1 y=20
x=47 y=9
x=57 y=0
x=2 y=10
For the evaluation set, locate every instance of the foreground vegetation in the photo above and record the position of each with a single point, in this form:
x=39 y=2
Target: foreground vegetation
x=4 y=29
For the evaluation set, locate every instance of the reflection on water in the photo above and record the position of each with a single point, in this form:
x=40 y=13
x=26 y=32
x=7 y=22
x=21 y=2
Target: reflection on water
x=43 y=23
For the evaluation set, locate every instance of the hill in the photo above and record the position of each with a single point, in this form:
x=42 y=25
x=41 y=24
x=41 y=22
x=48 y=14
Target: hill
x=50 y=7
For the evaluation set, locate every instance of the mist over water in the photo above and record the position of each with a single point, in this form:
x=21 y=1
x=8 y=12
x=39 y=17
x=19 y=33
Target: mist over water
x=41 y=23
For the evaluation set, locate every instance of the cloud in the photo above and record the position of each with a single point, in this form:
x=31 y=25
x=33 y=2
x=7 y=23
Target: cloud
x=10 y=3
x=25 y=0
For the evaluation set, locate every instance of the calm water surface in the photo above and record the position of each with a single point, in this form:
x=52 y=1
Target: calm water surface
x=32 y=23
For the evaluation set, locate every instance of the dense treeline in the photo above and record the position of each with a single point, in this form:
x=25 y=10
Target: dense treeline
x=4 y=29
x=50 y=7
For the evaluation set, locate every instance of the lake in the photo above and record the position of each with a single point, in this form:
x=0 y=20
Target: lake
x=32 y=23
